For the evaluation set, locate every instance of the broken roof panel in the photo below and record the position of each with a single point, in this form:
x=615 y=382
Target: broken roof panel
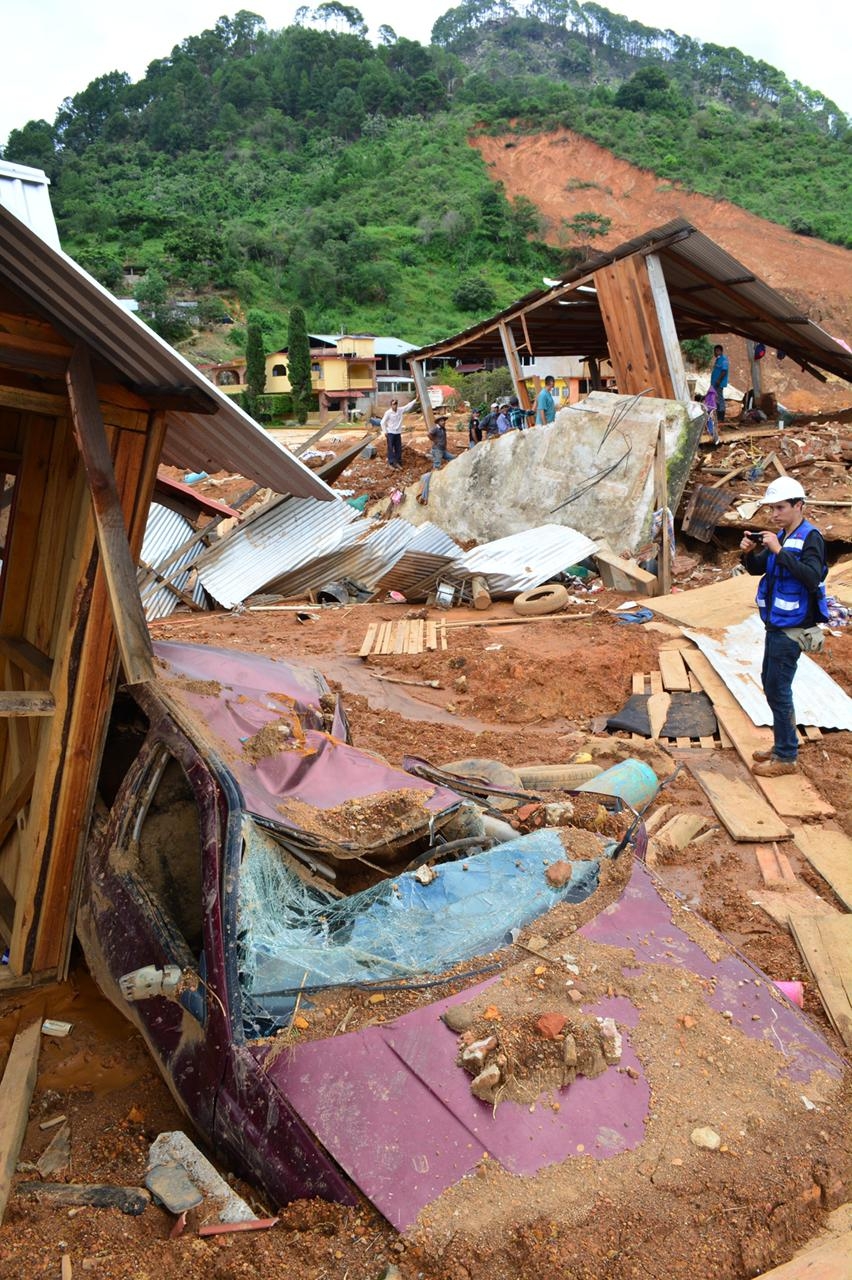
x=205 y=429
x=165 y=531
x=525 y=560
x=710 y=292
x=284 y=536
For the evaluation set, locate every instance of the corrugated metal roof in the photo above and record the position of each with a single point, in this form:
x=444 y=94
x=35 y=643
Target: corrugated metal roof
x=224 y=439
x=737 y=657
x=525 y=560
x=23 y=191
x=710 y=292
x=287 y=535
x=428 y=554
x=165 y=531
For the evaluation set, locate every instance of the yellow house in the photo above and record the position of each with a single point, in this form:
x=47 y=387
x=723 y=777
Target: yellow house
x=343 y=370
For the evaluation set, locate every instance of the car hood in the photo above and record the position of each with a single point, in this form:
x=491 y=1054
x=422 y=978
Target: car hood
x=392 y=1107
x=276 y=727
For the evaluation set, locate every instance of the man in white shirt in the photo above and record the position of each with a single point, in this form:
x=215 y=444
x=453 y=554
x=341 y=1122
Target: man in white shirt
x=392 y=431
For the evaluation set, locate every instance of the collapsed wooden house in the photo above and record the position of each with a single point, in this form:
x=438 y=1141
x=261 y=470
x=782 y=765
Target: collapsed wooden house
x=633 y=305
x=90 y=402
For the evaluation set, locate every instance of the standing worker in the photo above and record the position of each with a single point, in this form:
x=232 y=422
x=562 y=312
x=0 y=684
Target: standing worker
x=545 y=405
x=791 y=601
x=719 y=379
x=438 y=440
x=392 y=431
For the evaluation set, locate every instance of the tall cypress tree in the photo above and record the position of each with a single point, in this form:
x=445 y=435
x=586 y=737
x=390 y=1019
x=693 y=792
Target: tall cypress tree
x=299 y=359
x=255 y=368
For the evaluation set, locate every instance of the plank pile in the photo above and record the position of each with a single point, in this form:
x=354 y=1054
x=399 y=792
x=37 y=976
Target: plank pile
x=409 y=635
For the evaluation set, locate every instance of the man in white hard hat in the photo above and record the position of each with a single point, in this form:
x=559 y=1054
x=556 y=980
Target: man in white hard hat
x=791 y=601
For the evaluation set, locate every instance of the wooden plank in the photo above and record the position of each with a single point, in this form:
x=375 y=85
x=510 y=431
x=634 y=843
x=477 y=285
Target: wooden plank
x=709 y=744
x=829 y=851
x=720 y=604
x=14 y=797
x=638 y=682
x=775 y=868
x=683 y=743
x=635 y=341
x=134 y=642
x=618 y=574
x=26 y=703
x=661 y=501
x=673 y=671
x=682 y=829
x=658 y=709
x=782 y=906
x=443 y=632
x=16 y=1091
x=400 y=637
x=744 y=814
x=826 y=946
x=431 y=635
x=384 y=638
x=369 y=640
x=792 y=796
x=27 y=658
x=421 y=634
x=656 y=682
x=668 y=330
x=811 y=732
x=821 y=1260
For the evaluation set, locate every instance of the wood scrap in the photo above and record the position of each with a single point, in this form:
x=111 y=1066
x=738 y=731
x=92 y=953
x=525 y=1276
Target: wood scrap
x=783 y=906
x=618 y=574
x=673 y=671
x=421 y=684
x=742 y=811
x=16 y=1091
x=56 y=1157
x=132 y=1200
x=826 y=947
x=775 y=868
x=657 y=818
x=682 y=829
x=658 y=710
x=829 y=851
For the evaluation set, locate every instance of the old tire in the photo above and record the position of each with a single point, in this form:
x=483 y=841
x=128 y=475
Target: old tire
x=556 y=777
x=549 y=598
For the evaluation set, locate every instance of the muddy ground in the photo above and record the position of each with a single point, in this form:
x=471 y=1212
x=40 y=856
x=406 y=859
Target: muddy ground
x=517 y=694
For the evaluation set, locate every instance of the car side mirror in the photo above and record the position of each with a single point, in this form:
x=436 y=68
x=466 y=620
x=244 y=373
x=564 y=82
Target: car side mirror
x=170 y=982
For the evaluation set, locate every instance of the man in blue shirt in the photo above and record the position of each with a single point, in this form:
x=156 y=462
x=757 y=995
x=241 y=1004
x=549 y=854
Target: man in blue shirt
x=719 y=380
x=545 y=405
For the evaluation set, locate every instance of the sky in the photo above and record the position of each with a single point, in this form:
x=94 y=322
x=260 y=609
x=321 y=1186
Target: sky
x=53 y=49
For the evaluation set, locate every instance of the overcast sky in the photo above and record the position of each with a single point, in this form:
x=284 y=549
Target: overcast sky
x=54 y=48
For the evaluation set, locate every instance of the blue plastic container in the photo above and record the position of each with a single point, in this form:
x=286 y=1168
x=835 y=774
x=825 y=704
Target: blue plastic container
x=632 y=780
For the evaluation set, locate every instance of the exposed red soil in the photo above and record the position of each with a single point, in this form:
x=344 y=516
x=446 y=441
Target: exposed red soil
x=816 y=276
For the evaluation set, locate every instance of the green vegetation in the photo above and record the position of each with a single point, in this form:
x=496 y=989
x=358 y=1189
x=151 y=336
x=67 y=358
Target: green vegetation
x=299 y=360
x=255 y=368
x=305 y=167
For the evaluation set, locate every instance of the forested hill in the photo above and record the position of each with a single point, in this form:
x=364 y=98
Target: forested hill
x=308 y=165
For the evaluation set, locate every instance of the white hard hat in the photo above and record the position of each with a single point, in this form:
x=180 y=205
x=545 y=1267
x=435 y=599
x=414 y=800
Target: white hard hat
x=784 y=490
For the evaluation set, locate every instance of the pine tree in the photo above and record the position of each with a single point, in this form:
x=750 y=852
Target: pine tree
x=255 y=369
x=299 y=360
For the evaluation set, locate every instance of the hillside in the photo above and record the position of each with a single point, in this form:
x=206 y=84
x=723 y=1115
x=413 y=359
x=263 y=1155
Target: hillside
x=253 y=169
x=814 y=275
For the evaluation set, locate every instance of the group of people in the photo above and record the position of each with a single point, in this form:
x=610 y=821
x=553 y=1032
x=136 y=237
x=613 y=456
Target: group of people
x=503 y=416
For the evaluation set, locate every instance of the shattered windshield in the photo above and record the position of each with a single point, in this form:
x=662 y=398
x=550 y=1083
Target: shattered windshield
x=296 y=936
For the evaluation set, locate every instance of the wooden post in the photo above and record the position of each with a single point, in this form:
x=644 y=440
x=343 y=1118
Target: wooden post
x=661 y=485
x=128 y=616
x=511 y=353
x=755 y=374
x=416 y=367
x=663 y=307
x=16 y=1091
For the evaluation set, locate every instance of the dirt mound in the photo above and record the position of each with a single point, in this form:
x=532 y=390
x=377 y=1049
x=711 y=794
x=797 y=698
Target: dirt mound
x=574 y=174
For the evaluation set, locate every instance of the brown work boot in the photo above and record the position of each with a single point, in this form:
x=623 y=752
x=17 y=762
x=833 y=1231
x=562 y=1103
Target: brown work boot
x=774 y=768
x=763 y=755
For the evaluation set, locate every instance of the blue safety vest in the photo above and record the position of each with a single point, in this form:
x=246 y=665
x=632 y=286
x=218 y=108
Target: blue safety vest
x=789 y=599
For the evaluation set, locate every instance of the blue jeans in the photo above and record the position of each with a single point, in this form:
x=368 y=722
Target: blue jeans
x=780 y=656
x=440 y=455
x=394 y=439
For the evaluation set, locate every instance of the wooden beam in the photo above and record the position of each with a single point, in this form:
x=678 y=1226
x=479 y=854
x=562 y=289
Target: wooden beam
x=33 y=355
x=16 y=1092
x=416 y=367
x=27 y=658
x=169 y=583
x=511 y=353
x=33 y=401
x=664 y=563
x=26 y=703
x=665 y=318
x=131 y=630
